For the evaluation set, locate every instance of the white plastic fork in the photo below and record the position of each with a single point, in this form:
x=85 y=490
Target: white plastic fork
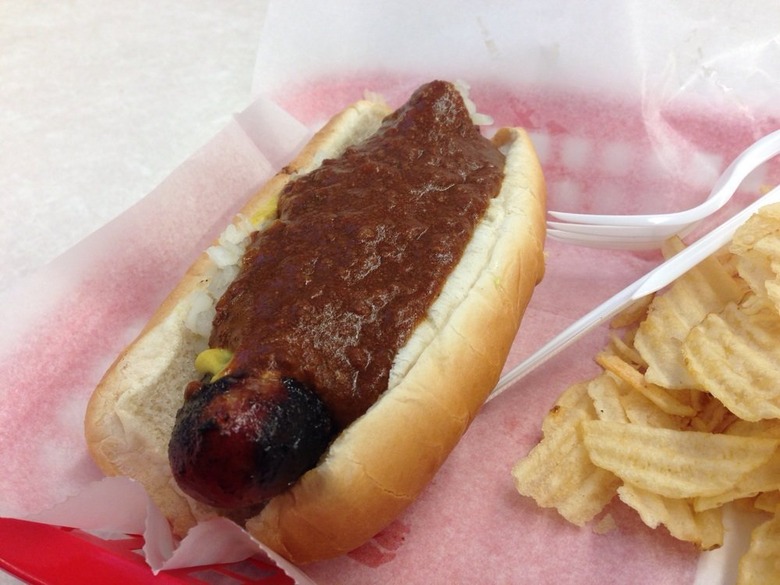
x=651 y=282
x=640 y=232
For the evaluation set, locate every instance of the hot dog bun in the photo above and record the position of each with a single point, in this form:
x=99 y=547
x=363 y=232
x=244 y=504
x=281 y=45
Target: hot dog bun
x=440 y=378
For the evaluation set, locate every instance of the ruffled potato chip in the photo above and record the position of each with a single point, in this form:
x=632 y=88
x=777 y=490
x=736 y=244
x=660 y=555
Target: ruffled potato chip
x=756 y=270
x=712 y=416
x=605 y=391
x=706 y=288
x=633 y=314
x=767 y=502
x=757 y=247
x=763 y=428
x=674 y=464
x=641 y=411
x=558 y=473
x=764 y=478
x=735 y=356
x=761 y=564
x=661 y=397
x=624 y=349
x=702 y=528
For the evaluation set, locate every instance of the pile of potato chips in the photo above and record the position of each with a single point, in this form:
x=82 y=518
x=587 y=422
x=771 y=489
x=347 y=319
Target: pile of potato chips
x=685 y=416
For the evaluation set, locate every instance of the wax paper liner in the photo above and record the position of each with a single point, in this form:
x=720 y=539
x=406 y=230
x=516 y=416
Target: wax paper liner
x=631 y=109
x=63 y=325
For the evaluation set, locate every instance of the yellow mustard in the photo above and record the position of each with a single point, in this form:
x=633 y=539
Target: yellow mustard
x=267 y=210
x=213 y=361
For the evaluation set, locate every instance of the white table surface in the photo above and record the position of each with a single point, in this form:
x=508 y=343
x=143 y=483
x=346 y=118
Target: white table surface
x=99 y=101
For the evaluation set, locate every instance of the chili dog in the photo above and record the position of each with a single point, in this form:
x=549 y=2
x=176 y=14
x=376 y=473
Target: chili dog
x=314 y=368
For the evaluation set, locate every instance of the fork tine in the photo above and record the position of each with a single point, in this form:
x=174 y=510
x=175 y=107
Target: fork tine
x=618 y=231
x=613 y=220
x=616 y=243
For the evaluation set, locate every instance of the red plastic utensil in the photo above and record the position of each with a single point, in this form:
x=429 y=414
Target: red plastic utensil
x=42 y=554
